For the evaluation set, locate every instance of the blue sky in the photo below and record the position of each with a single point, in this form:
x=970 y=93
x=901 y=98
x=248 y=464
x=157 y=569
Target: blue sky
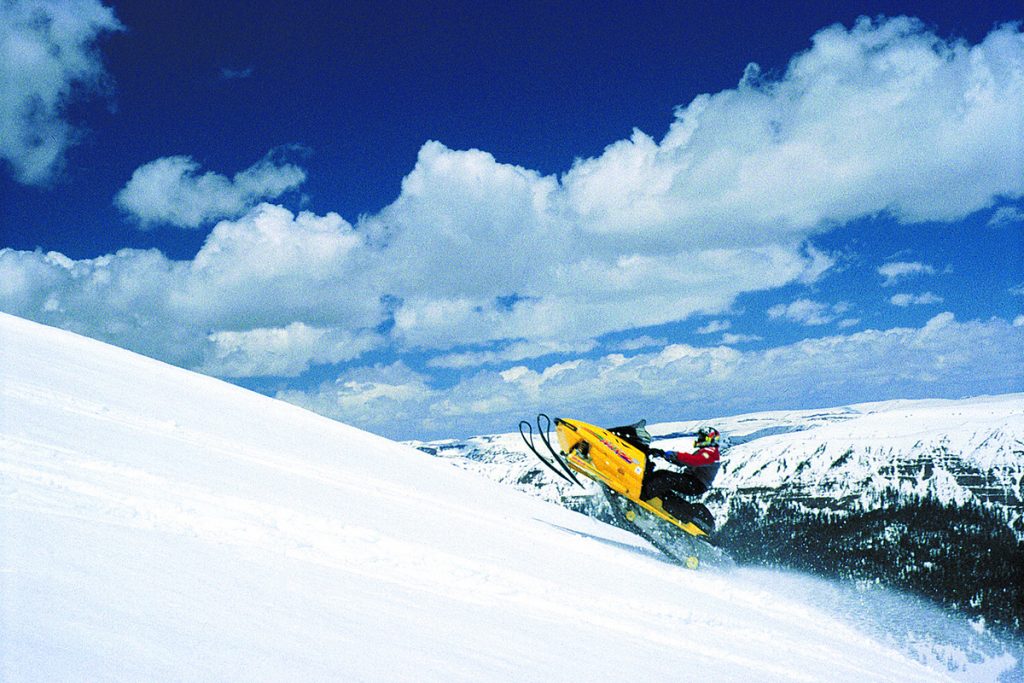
x=432 y=219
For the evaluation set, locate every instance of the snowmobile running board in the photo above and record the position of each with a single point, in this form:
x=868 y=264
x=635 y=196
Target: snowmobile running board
x=545 y=435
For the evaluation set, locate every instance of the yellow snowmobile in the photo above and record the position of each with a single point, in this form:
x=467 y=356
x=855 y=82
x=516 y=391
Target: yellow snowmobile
x=619 y=463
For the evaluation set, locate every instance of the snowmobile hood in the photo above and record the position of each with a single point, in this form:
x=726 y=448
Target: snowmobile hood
x=621 y=463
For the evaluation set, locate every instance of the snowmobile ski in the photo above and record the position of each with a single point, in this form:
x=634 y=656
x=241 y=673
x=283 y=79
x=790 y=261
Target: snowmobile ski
x=565 y=473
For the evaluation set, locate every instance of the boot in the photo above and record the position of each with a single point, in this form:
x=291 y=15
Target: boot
x=702 y=518
x=677 y=507
x=686 y=511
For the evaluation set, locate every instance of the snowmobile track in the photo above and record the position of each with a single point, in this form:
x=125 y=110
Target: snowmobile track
x=682 y=548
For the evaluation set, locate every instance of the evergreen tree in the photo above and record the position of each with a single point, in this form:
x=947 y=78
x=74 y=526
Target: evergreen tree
x=964 y=558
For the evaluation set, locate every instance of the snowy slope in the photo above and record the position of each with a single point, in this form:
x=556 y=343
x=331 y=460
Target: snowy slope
x=160 y=525
x=504 y=458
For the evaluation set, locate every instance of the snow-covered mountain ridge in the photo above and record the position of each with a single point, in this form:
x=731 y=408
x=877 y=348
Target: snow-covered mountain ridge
x=954 y=451
x=160 y=525
x=836 y=458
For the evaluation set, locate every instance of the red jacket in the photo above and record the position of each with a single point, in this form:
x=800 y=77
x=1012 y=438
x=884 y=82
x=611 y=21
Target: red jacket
x=702 y=464
x=700 y=458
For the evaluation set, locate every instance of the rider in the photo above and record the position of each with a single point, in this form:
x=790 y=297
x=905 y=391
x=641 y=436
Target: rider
x=701 y=466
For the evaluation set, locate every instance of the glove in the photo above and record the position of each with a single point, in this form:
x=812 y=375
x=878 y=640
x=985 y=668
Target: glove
x=657 y=452
x=671 y=457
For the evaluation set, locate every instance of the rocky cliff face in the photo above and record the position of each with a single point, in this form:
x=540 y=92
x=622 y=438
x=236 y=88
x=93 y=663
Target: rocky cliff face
x=950 y=451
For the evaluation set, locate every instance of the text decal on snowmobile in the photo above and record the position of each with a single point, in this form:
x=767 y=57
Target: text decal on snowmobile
x=614 y=449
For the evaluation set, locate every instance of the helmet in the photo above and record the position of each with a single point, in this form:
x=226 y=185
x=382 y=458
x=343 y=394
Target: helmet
x=706 y=436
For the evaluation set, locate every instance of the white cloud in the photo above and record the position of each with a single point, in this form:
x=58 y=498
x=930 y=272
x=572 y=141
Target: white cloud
x=271 y=267
x=807 y=312
x=171 y=191
x=1018 y=321
x=382 y=395
x=511 y=353
x=714 y=326
x=283 y=352
x=265 y=271
x=898 y=270
x=945 y=357
x=474 y=253
x=730 y=339
x=1006 y=215
x=883 y=117
x=903 y=300
x=467 y=233
x=47 y=56
x=641 y=342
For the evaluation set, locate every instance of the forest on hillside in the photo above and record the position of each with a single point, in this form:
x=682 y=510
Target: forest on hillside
x=963 y=557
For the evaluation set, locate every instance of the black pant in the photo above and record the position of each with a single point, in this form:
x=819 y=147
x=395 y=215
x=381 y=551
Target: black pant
x=659 y=483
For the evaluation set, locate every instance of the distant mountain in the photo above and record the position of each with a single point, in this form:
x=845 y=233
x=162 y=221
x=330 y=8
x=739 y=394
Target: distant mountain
x=837 y=459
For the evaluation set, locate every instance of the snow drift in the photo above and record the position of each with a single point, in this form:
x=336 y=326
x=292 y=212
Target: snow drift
x=156 y=524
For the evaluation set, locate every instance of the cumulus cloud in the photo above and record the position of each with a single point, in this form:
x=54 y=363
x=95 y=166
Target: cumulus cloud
x=265 y=271
x=509 y=354
x=171 y=191
x=477 y=251
x=271 y=268
x=882 y=117
x=284 y=351
x=642 y=342
x=47 y=56
x=895 y=271
x=384 y=395
x=728 y=338
x=903 y=300
x=807 y=312
x=478 y=254
x=944 y=357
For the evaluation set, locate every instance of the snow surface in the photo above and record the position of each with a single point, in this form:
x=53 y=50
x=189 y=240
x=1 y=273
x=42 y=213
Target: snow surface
x=160 y=525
